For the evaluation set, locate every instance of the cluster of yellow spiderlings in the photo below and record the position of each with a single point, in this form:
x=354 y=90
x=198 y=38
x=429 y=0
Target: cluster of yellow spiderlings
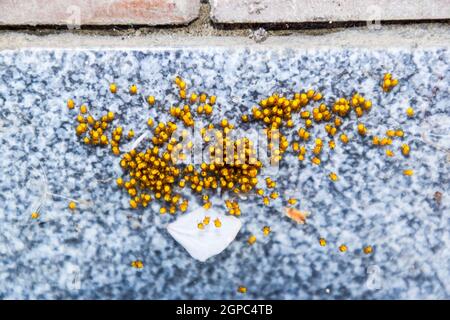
x=185 y=113
x=387 y=141
x=155 y=173
x=296 y=147
x=233 y=207
x=151 y=171
x=95 y=131
x=163 y=132
x=205 y=222
x=234 y=164
x=389 y=82
x=270 y=184
x=277 y=111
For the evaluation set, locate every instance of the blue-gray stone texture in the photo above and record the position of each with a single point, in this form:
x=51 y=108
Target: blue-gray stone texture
x=87 y=253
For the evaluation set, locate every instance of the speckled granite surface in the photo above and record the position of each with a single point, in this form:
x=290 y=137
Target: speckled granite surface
x=87 y=254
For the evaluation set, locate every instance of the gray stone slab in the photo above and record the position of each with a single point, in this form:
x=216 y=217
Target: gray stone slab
x=87 y=253
x=284 y=11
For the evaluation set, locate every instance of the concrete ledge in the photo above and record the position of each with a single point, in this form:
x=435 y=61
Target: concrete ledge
x=74 y=13
x=387 y=37
x=291 y=11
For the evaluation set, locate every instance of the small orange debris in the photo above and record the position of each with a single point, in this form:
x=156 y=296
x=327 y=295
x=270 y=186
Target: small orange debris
x=297 y=215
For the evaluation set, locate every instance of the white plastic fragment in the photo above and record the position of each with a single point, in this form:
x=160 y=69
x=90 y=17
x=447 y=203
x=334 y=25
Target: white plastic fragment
x=203 y=244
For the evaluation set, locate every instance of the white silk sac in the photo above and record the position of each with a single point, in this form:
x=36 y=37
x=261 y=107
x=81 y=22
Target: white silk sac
x=203 y=244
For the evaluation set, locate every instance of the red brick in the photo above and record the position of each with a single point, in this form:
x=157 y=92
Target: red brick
x=97 y=12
